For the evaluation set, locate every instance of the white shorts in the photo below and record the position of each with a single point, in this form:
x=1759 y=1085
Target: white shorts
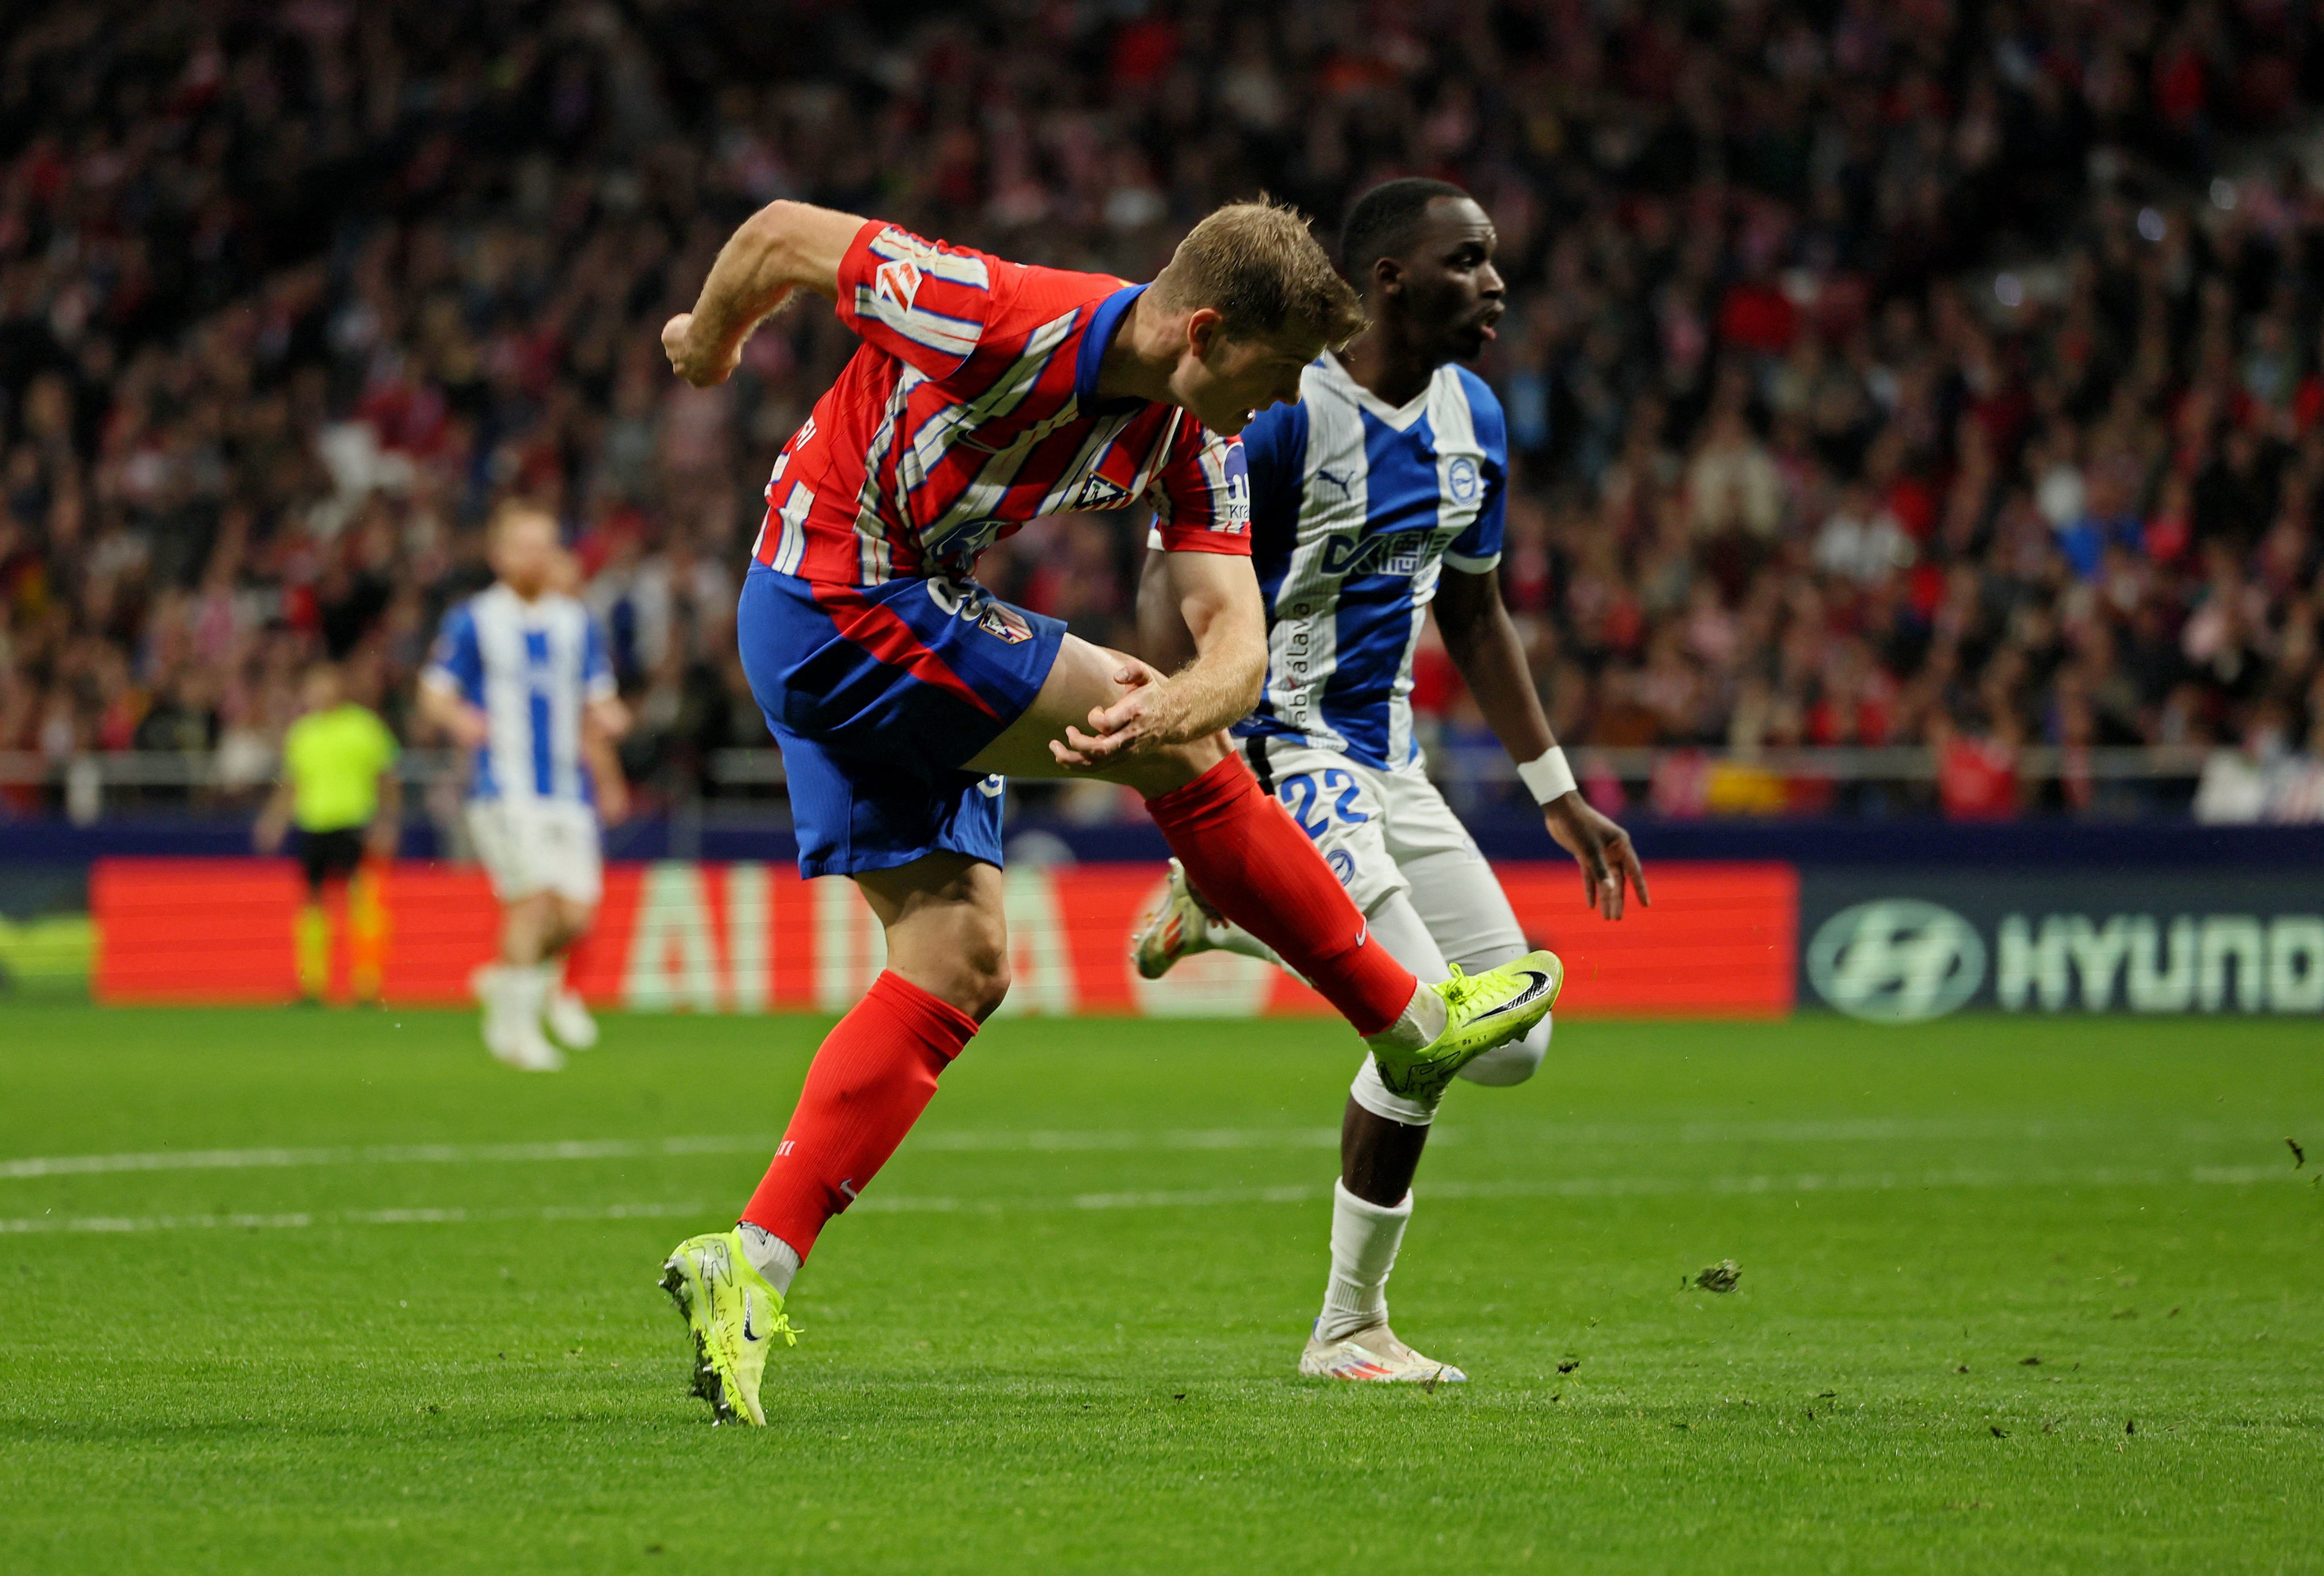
x=531 y=846
x=1389 y=835
x=1384 y=833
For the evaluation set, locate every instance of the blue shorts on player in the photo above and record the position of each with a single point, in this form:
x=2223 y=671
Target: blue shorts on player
x=878 y=695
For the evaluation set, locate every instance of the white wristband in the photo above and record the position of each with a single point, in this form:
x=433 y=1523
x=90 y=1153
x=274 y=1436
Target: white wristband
x=1549 y=777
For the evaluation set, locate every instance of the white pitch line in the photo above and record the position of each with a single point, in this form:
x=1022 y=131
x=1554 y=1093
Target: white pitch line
x=34 y=1224
x=372 y=1154
x=1133 y=1138
x=268 y=1159
x=1577 y=1187
x=1046 y=1140
x=1869 y=1130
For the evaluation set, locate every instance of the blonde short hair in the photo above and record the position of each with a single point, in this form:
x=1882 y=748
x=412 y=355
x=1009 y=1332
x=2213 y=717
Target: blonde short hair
x=1256 y=265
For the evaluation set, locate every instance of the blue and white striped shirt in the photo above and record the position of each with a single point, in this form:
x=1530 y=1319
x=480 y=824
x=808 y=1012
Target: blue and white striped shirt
x=1356 y=507
x=529 y=667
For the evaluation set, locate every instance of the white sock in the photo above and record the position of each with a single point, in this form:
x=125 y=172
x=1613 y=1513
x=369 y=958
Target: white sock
x=522 y=991
x=1228 y=936
x=1365 y=1237
x=552 y=978
x=1423 y=1019
x=770 y=1256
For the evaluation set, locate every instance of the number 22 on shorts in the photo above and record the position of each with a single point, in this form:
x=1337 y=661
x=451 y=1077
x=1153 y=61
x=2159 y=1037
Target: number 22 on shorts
x=1314 y=807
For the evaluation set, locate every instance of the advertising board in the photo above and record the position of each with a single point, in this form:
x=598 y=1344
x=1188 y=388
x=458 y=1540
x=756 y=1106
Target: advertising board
x=1718 y=940
x=1903 y=946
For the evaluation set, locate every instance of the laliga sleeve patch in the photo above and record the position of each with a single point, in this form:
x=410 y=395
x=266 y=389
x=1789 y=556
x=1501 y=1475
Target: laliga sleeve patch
x=897 y=281
x=1234 y=497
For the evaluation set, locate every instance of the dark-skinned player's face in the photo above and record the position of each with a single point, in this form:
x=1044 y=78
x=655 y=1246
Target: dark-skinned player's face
x=1442 y=284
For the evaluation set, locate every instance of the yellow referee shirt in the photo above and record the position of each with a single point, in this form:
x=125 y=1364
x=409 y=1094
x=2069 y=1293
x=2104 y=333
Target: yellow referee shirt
x=334 y=759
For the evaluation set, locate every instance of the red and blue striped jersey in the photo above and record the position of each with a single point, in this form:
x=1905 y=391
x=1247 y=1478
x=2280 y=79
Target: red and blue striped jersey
x=971 y=408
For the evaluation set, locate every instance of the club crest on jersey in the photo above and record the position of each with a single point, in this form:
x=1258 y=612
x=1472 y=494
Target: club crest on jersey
x=897 y=282
x=1461 y=479
x=972 y=603
x=1099 y=493
x=1003 y=622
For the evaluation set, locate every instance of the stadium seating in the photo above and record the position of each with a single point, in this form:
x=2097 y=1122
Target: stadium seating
x=1902 y=377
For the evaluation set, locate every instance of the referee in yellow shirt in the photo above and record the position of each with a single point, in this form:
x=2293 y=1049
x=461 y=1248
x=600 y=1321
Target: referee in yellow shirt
x=339 y=788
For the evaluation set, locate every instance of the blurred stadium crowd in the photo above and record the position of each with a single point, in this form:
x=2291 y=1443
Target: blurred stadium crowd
x=1882 y=373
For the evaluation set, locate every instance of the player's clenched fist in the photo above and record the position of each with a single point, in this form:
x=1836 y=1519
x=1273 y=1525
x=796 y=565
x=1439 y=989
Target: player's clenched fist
x=687 y=361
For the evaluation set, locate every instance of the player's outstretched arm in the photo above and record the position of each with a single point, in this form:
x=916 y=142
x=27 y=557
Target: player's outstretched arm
x=1163 y=638
x=1483 y=643
x=448 y=711
x=784 y=247
x=1218 y=601
x=602 y=722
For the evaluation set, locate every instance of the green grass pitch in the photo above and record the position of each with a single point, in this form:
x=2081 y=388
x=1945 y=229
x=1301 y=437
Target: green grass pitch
x=402 y=1315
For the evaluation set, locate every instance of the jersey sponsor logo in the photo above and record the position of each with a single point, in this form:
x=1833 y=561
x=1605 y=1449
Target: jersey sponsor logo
x=897 y=282
x=1461 y=479
x=1896 y=960
x=1400 y=553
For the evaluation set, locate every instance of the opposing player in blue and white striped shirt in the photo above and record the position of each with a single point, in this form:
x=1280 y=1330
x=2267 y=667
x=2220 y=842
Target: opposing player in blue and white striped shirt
x=519 y=676
x=1379 y=496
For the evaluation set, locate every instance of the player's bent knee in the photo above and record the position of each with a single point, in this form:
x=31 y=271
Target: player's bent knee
x=1512 y=1063
x=984 y=982
x=967 y=966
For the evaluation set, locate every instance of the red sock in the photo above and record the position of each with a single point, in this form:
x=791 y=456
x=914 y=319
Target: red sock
x=1252 y=862
x=866 y=1086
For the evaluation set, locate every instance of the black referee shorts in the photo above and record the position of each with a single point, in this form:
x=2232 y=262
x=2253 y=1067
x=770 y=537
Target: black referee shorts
x=330 y=856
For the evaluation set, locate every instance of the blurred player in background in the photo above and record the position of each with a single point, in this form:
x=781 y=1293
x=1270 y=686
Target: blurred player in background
x=986 y=394
x=1376 y=496
x=339 y=789
x=520 y=676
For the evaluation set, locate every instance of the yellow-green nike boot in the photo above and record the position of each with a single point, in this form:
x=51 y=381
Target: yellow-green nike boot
x=1481 y=1011
x=734 y=1316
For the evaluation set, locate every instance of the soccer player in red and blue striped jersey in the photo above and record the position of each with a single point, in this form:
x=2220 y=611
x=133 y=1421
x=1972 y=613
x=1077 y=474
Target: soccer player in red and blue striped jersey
x=985 y=395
